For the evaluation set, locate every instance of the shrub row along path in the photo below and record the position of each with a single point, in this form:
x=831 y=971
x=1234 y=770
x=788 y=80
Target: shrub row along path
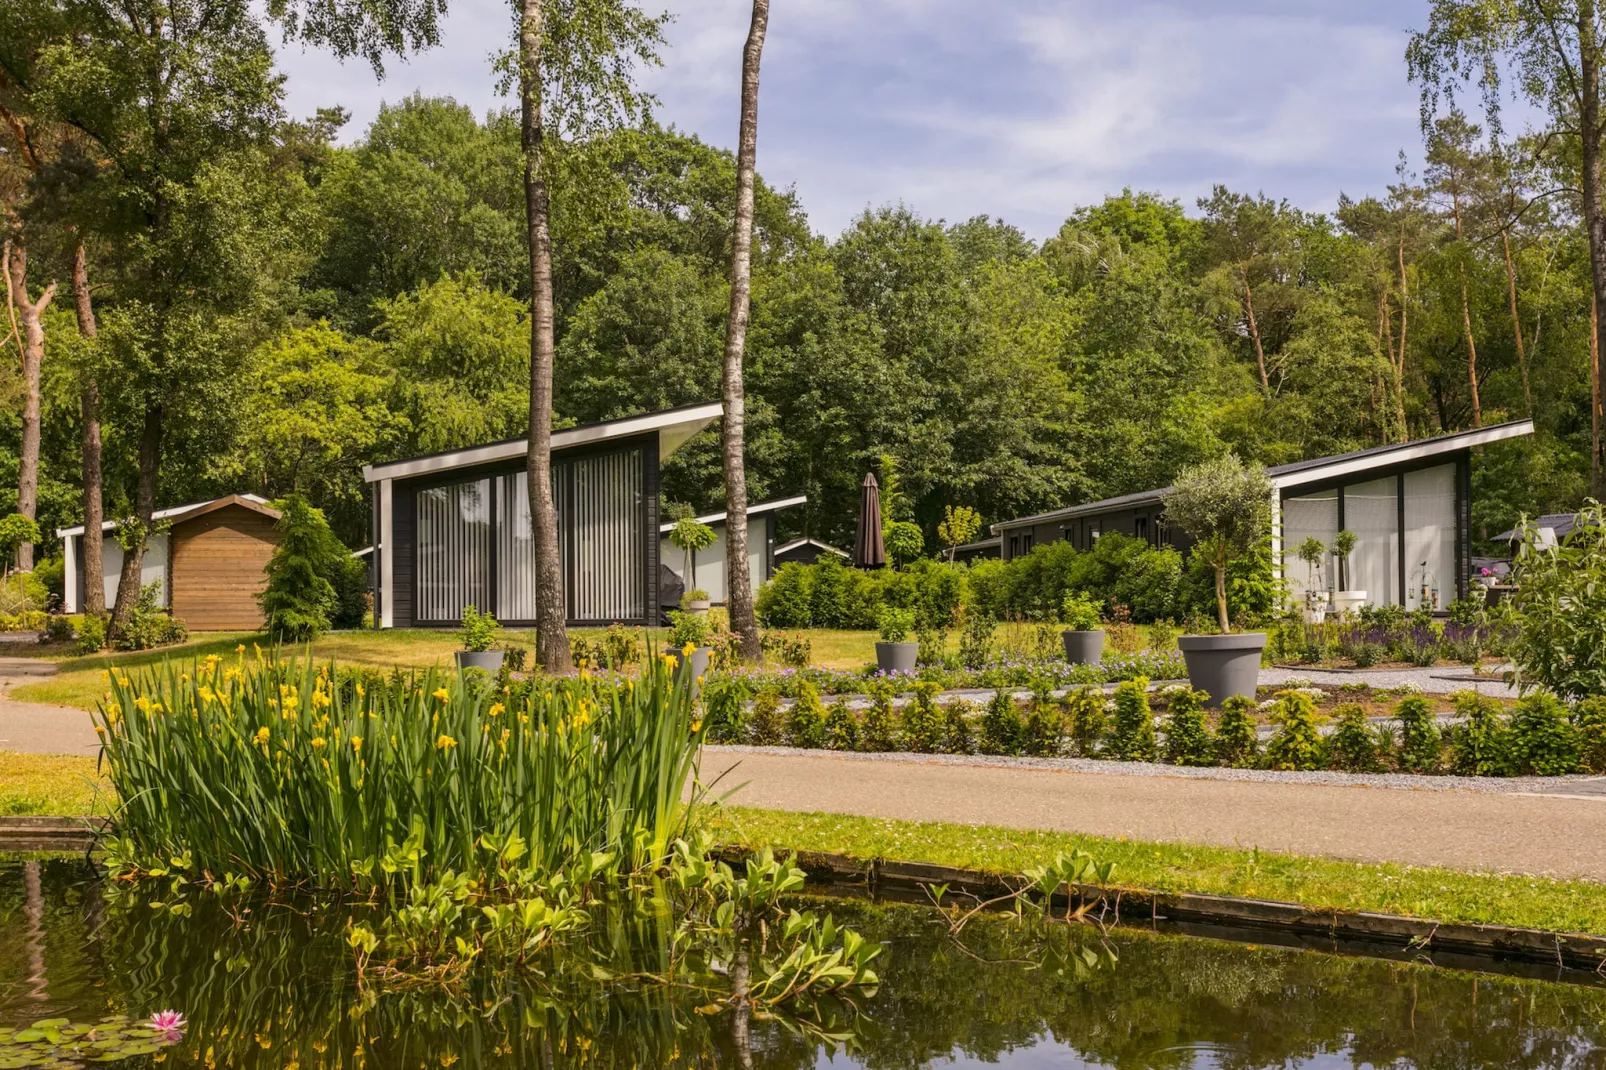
x=39 y=727
x=1555 y=831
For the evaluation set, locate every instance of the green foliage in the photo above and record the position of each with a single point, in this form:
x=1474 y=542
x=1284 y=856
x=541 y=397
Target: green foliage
x=1079 y=612
x=1132 y=733
x=1045 y=724
x=1560 y=608
x=958 y=737
x=959 y=525
x=976 y=638
x=1002 y=730
x=878 y=732
x=1226 y=507
x=1353 y=746
x=1543 y=741
x=15 y=530
x=1296 y=743
x=92 y=634
x=765 y=725
x=691 y=537
x=1187 y=736
x=828 y=594
x=1590 y=720
x=1237 y=735
x=904 y=541
x=149 y=625
x=725 y=697
x=300 y=598
x=1421 y=743
x=1480 y=745
x=933 y=647
x=841 y=727
x=1086 y=719
x=786 y=600
x=479 y=630
x=921 y=726
x=894 y=625
x=805 y=726
x=684 y=628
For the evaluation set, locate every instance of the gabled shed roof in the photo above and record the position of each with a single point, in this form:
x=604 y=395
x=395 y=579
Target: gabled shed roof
x=180 y=513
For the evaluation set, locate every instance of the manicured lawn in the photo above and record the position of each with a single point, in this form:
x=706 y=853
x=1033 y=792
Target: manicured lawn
x=1441 y=894
x=50 y=784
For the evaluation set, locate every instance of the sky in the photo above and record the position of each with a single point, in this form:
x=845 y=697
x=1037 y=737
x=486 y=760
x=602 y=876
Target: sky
x=1017 y=109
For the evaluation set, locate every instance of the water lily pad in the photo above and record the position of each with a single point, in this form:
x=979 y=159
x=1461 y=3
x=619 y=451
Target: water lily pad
x=60 y=1044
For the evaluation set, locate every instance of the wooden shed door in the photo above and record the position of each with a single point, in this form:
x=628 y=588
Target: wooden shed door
x=217 y=569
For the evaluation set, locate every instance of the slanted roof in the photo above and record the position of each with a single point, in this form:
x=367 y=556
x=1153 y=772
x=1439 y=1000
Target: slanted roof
x=994 y=543
x=1561 y=523
x=798 y=544
x=752 y=510
x=1300 y=473
x=180 y=513
x=673 y=426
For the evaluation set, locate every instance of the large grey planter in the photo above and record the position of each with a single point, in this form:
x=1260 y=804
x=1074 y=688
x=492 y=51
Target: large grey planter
x=489 y=660
x=1083 y=648
x=897 y=657
x=697 y=662
x=1223 y=665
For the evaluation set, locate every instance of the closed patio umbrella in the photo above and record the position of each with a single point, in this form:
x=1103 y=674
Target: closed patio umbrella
x=867 y=549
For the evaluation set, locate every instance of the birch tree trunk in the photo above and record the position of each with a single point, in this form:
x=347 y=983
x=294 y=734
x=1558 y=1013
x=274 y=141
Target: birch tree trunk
x=552 y=636
x=30 y=317
x=739 y=581
x=93 y=599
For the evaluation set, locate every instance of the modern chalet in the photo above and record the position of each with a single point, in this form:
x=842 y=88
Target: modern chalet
x=1409 y=505
x=453 y=529
x=708 y=564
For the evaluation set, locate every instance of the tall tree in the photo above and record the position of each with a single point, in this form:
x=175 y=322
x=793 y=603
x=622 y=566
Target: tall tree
x=1455 y=173
x=31 y=314
x=93 y=601
x=739 y=590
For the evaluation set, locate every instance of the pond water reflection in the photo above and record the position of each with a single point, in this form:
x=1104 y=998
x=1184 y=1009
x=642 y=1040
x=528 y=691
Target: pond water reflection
x=276 y=987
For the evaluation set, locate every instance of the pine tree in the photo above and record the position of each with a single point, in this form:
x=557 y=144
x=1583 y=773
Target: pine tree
x=299 y=598
x=1187 y=737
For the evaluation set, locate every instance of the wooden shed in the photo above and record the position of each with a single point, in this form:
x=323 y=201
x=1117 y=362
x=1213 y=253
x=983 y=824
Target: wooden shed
x=210 y=560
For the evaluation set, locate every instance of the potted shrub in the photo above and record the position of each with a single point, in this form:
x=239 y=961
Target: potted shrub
x=895 y=653
x=1311 y=551
x=690 y=629
x=1345 y=601
x=1083 y=638
x=692 y=536
x=1226 y=507
x=695 y=601
x=478 y=633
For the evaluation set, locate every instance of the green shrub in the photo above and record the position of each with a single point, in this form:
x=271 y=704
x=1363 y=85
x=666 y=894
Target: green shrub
x=879 y=731
x=349 y=578
x=1353 y=746
x=479 y=630
x=805 y=725
x=1421 y=743
x=1086 y=719
x=786 y=600
x=1559 y=607
x=1590 y=720
x=1297 y=742
x=1237 y=734
x=149 y=625
x=976 y=638
x=1543 y=741
x=725 y=700
x=1079 y=612
x=299 y=600
x=1480 y=745
x=765 y=725
x=895 y=624
x=957 y=736
x=841 y=727
x=91 y=635
x=688 y=629
x=933 y=647
x=1045 y=724
x=1187 y=736
x=922 y=728
x=1132 y=735
x=1002 y=730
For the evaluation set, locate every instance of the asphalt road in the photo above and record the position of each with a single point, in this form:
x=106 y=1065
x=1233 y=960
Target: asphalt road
x=1562 y=836
x=37 y=727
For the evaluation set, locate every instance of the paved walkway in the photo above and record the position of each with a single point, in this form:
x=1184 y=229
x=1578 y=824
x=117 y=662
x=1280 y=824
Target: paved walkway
x=1442 y=680
x=1563 y=836
x=39 y=727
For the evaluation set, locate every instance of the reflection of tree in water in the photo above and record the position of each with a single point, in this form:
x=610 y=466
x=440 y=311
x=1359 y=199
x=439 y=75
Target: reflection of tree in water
x=281 y=989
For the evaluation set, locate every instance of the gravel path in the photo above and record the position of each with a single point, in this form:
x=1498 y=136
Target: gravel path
x=1438 y=681
x=1549 y=827
x=38 y=727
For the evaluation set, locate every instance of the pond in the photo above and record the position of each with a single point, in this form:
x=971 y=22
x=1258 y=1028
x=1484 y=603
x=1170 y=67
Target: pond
x=274 y=985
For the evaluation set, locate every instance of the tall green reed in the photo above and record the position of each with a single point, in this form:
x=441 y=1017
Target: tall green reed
x=285 y=770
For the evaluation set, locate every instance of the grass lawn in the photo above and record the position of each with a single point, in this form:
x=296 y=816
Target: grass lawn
x=50 y=784
x=1441 y=894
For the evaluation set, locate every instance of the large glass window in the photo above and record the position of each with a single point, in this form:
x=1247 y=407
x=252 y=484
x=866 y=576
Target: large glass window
x=454 y=550
x=1430 y=530
x=515 y=543
x=1309 y=516
x=609 y=555
x=1372 y=512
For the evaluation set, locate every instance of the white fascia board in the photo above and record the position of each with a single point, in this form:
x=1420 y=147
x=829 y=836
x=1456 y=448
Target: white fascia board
x=673 y=428
x=1421 y=451
x=795 y=543
x=160 y=514
x=752 y=510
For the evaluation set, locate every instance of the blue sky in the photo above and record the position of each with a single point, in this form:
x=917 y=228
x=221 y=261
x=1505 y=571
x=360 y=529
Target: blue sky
x=1020 y=109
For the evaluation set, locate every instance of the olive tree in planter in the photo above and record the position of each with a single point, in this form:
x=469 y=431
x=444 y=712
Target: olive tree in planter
x=1083 y=638
x=692 y=536
x=1346 y=601
x=1311 y=551
x=479 y=632
x=895 y=653
x=1226 y=507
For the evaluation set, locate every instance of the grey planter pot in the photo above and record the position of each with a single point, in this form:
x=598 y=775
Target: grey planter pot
x=1223 y=665
x=489 y=660
x=697 y=663
x=1083 y=648
x=896 y=657
x=698 y=606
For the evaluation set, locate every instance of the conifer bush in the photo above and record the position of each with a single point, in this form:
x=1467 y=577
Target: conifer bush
x=957 y=736
x=1002 y=731
x=1086 y=719
x=766 y=727
x=841 y=727
x=1543 y=741
x=300 y=599
x=1353 y=746
x=1297 y=742
x=1481 y=744
x=1132 y=736
x=1237 y=734
x=922 y=727
x=1590 y=720
x=1421 y=744
x=1045 y=724
x=806 y=722
x=879 y=731
x=725 y=700
x=1187 y=736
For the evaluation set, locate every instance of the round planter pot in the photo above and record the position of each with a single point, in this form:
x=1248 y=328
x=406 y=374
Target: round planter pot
x=1348 y=602
x=489 y=660
x=1223 y=665
x=697 y=661
x=896 y=657
x=1083 y=648
x=698 y=606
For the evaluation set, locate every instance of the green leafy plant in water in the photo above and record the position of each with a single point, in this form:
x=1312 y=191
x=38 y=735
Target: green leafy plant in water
x=1421 y=744
x=1187 y=736
x=841 y=727
x=878 y=733
x=1132 y=734
x=1353 y=746
x=60 y=1043
x=806 y=724
x=1543 y=741
x=1480 y=744
x=1002 y=730
x=1296 y=744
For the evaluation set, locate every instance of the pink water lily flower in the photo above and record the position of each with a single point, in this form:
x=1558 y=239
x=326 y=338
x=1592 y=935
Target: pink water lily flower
x=169 y=1023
